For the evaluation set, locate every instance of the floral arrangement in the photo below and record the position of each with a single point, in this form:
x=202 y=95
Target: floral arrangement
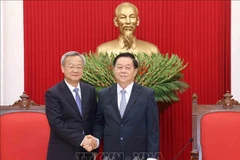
x=160 y=72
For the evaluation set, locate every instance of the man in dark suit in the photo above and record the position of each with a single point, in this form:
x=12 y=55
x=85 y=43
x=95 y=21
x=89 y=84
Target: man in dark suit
x=127 y=115
x=70 y=110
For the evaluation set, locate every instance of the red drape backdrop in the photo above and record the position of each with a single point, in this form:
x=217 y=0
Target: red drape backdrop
x=198 y=31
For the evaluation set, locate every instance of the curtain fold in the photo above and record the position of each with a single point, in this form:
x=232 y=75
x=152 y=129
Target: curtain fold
x=197 y=31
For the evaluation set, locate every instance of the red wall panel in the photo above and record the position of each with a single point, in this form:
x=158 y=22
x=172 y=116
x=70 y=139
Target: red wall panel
x=198 y=31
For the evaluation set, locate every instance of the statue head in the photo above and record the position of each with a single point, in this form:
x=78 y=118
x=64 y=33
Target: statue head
x=126 y=19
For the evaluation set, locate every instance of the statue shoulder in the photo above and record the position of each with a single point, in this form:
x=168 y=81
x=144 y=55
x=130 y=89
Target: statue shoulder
x=107 y=46
x=152 y=47
x=141 y=42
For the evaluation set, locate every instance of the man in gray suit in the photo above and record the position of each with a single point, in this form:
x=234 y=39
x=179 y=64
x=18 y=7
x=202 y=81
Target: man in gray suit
x=127 y=115
x=70 y=110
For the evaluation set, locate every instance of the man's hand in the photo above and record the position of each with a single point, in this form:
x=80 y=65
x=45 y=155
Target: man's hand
x=89 y=143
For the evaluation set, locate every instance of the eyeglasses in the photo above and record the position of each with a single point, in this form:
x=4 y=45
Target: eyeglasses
x=72 y=67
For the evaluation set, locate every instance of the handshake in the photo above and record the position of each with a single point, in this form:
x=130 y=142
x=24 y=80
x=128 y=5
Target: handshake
x=89 y=143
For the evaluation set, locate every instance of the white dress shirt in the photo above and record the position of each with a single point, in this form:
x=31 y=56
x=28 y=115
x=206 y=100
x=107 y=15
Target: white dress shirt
x=128 y=90
x=72 y=89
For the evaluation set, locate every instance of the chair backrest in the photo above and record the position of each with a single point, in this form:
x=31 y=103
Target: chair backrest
x=216 y=129
x=24 y=133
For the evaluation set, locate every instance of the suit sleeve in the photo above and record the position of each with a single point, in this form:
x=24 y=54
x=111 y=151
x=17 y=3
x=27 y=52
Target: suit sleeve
x=152 y=126
x=98 y=128
x=57 y=123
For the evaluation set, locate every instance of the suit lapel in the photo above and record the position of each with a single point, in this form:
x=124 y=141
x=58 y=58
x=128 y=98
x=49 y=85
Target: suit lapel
x=133 y=97
x=114 y=100
x=84 y=98
x=68 y=94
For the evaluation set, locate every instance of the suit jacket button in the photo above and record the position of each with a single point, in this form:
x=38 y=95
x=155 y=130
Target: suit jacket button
x=121 y=125
x=121 y=138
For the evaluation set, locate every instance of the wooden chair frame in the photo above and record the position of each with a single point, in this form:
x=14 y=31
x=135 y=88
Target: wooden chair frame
x=22 y=105
x=13 y=109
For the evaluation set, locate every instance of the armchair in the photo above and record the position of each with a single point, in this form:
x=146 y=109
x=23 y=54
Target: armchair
x=216 y=129
x=24 y=131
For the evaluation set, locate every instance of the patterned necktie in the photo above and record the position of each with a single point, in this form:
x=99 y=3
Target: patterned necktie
x=123 y=103
x=78 y=100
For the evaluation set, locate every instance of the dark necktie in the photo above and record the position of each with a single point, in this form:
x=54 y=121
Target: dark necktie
x=78 y=100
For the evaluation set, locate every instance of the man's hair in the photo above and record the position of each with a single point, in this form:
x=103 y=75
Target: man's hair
x=126 y=54
x=72 y=53
x=125 y=4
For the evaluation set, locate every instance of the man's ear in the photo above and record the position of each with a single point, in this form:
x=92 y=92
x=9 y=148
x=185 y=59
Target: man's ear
x=115 y=21
x=62 y=68
x=138 y=21
x=135 y=72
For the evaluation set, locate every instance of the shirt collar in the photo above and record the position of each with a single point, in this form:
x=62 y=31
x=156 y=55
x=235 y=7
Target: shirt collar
x=71 y=87
x=128 y=89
